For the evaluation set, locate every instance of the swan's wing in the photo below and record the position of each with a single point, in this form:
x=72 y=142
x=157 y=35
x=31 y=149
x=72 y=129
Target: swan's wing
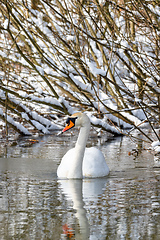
x=94 y=163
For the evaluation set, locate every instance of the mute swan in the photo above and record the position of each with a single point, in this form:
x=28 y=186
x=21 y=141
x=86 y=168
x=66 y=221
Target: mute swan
x=80 y=161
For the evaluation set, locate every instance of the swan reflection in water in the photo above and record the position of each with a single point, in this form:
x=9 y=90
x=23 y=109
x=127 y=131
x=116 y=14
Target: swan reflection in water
x=79 y=193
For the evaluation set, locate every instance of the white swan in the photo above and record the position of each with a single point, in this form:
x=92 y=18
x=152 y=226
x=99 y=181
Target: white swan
x=80 y=161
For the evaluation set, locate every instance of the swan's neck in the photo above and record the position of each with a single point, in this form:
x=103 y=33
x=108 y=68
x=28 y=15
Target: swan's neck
x=76 y=168
x=82 y=138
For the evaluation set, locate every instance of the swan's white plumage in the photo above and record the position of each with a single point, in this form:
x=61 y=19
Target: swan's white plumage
x=80 y=161
x=94 y=163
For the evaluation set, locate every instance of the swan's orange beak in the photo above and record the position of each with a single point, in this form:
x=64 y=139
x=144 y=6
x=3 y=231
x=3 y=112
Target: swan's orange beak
x=70 y=125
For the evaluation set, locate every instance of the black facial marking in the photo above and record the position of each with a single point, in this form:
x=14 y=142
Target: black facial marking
x=71 y=119
x=68 y=120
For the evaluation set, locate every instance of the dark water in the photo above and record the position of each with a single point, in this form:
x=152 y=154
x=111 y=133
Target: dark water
x=34 y=204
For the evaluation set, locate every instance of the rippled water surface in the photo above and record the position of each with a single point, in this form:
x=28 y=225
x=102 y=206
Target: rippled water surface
x=34 y=204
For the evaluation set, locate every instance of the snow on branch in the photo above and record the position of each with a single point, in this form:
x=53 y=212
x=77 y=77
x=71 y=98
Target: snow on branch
x=94 y=60
x=15 y=125
x=100 y=123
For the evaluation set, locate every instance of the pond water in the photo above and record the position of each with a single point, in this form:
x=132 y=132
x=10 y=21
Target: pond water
x=34 y=204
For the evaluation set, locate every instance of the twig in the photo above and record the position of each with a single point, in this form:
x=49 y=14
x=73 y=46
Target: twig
x=149 y=121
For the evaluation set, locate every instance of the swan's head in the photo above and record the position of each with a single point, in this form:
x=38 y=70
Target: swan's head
x=77 y=120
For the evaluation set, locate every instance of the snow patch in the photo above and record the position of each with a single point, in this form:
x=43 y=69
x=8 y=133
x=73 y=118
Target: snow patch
x=156 y=146
x=25 y=116
x=40 y=70
x=96 y=71
x=40 y=127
